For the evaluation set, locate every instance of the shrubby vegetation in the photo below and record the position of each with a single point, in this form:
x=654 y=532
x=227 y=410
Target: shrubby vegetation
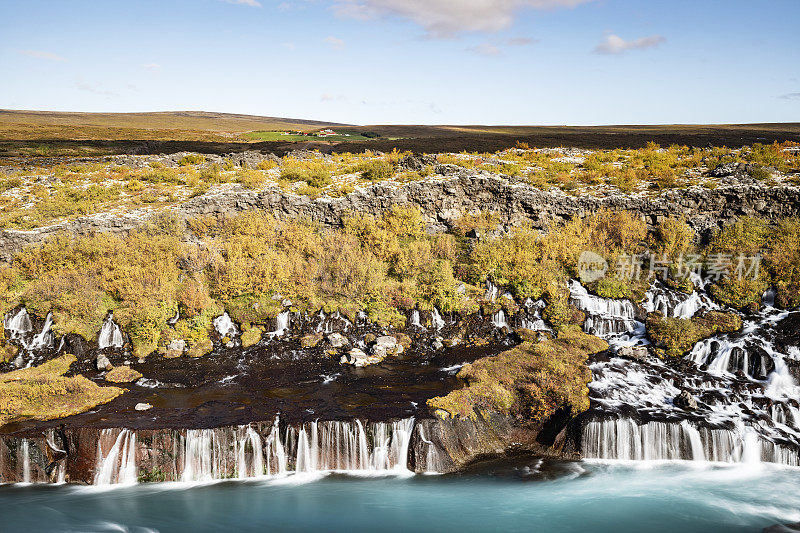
x=383 y=264
x=70 y=190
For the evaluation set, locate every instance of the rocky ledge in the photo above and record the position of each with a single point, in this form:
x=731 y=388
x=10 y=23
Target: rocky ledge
x=443 y=199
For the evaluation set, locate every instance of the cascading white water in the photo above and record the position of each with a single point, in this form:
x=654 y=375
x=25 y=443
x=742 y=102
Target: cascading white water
x=250 y=455
x=318 y=446
x=624 y=439
x=110 y=334
x=26 y=461
x=225 y=326
x=437 y=320
x=118 y=465
x=733 y=429
x=335 y=322
x=19 y=325
x=605 y=317
x=675 y=304
x=533 y=321
x=45 y=338
x=499 y=319
x=414 y=320
x=281 y=323
x=491 y=291
x=433 y=454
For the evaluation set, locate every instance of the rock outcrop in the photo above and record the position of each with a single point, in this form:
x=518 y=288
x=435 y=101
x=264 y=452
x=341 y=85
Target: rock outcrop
x=445 y=198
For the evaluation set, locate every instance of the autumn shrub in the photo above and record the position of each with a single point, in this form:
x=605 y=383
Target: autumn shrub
x=375 y=170
x=316 y=173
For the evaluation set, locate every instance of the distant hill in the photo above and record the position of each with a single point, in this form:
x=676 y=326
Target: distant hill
x=45 y=133
x=174 y=125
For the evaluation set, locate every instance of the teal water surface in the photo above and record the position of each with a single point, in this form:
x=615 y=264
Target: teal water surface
x=585 y=497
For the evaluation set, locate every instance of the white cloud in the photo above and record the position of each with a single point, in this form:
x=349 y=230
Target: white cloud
x=251 y=3
x=152 y=67
x=614 y=44
x=790 y=96
x=521 y=41
x=39 y=54
x=334 y=42
x=447 y=18
x=94 y=88
x=485 y=49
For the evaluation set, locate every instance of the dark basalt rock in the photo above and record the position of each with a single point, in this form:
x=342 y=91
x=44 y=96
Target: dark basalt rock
x=685 y=401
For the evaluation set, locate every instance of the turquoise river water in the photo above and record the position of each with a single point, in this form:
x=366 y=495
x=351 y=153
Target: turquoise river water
x=585 y=497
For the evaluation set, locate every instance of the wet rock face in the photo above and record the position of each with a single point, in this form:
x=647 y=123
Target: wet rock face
x=450 y=444
x=456 y=191
x=685 y=401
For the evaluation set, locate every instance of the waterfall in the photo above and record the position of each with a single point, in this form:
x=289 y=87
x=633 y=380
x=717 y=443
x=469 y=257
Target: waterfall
x=333 y=323
x=533 y=321
x=118 y=466
x=437 y=320
x=318 y=446
x=282 y=324
x=199 y=462
x=303 y=463
x=605 y=317
x=623 y=438
x=26 y=461
x=19 y=326
x=250 y=456
x=123 y=456
x=499 y=319
x=225 y=326
x=110 y=334
x=414 y=320
x=44 y=339
x=491 y=291
x=433 y=459
x=675 y=304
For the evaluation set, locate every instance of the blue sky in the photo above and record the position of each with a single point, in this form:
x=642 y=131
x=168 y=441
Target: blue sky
x=409 y=61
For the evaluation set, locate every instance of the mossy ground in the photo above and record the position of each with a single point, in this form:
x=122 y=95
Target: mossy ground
x=532 y=380
x=674 y=337
x=44 y=393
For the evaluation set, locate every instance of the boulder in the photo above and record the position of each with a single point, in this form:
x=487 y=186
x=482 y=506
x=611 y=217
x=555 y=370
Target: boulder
x=637 y=353
x=358 y=358
x=685 y=401
x=201 y=348
x=309 y=341
x=143 y=406
x=175 y=348
x=103 y=363
x=337 y=340
x=386 y=345
x=251 y=336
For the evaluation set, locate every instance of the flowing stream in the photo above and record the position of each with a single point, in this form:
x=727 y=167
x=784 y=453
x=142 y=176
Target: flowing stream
x=522 y=497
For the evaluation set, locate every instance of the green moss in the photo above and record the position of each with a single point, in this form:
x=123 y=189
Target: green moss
x=122 y=374
x=674 y=337
x=532 y=380
x=43 y=393
x=251 y=335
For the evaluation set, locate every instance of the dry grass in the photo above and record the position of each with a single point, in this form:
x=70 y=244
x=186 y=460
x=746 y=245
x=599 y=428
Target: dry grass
x=43 y=393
